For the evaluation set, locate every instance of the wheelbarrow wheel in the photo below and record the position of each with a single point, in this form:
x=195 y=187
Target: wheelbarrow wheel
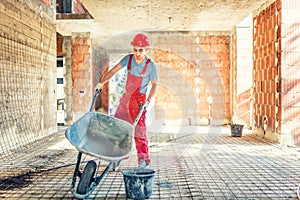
x=86 y=177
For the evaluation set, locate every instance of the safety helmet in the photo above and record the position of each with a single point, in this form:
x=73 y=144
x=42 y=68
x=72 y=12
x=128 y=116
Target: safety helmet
x=140 y=40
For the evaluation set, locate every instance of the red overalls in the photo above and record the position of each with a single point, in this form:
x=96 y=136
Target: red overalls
x=129 y=108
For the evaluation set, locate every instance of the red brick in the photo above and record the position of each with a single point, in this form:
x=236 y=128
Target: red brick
x=278 y=4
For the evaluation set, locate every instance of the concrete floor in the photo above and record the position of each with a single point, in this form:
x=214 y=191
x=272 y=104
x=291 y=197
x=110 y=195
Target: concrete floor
x=190 y=163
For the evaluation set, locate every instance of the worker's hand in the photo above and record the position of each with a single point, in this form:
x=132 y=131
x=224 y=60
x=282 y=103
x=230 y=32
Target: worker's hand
x=99 y=86
x=145 y=105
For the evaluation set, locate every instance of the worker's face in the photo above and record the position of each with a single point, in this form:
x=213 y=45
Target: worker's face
x=139 y=53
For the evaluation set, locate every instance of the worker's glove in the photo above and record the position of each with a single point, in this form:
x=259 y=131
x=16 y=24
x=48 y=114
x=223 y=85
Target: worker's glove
x=145 y=105
x=99 y=86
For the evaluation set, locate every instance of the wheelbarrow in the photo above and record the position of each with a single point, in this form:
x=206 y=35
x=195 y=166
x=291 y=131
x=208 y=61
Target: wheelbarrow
x=103 y=137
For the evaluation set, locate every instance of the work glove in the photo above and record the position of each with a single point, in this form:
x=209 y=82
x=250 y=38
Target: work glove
x=99 y=86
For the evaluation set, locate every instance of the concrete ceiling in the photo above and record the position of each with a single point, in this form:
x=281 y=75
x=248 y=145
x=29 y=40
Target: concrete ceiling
x=116 y=17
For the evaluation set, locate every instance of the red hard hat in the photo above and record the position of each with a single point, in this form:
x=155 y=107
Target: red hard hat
x=140 y=40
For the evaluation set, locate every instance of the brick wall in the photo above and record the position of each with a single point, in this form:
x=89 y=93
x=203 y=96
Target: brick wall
x=276 y=78
x=76 y=52
x=266 y=71
x=27 y=73
x=193 y=68
x=81 y=73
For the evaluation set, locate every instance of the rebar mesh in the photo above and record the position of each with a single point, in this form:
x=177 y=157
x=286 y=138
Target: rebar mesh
x=27 y=79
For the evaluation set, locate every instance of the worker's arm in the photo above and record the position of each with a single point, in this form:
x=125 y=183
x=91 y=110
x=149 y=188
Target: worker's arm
x=105 y=77
x=152 y=90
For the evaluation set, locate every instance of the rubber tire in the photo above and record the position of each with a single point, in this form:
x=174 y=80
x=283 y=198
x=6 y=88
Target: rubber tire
x=86 y=177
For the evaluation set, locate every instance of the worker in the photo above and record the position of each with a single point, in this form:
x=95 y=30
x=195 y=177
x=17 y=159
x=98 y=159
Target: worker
x=141 y=71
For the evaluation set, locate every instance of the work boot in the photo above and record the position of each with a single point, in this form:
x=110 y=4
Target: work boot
x=143 y=164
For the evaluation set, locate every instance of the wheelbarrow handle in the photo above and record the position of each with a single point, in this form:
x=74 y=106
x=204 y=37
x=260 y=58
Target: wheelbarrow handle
x=143 y=108
x=97 y=92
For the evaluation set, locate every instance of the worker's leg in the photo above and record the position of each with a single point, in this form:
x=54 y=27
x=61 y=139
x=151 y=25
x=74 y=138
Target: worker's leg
x=141 y=140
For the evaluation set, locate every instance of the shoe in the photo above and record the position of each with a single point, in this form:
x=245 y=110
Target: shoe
x=143 y=164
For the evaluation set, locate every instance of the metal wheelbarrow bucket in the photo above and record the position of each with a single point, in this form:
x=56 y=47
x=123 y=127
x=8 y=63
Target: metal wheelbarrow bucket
x=101 y=136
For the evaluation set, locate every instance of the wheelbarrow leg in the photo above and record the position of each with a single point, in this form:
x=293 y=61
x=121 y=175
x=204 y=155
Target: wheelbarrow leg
x=116 y=165
x=76 y=172
x=99 y=178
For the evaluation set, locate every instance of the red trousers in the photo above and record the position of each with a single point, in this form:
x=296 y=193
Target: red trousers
x=128 y=110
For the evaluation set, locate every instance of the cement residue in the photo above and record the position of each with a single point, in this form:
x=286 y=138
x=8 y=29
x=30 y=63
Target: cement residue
x=16 y=182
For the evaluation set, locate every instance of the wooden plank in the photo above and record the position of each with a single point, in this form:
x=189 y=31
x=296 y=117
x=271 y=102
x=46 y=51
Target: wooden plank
x=24 y=32
x=23 y=14
x=26 y=17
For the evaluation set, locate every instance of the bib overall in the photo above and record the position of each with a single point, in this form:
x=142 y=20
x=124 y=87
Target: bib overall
x=129 y=108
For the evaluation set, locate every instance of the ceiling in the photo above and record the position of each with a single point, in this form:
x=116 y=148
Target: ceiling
x=116 y=17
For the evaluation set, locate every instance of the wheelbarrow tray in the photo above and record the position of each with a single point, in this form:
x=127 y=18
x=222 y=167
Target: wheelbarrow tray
x=102 y=136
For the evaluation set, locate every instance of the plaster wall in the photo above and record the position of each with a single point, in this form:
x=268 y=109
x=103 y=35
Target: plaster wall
x=27 y=73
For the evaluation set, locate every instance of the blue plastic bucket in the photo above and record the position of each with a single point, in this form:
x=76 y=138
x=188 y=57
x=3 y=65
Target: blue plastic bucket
x=138 y=183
